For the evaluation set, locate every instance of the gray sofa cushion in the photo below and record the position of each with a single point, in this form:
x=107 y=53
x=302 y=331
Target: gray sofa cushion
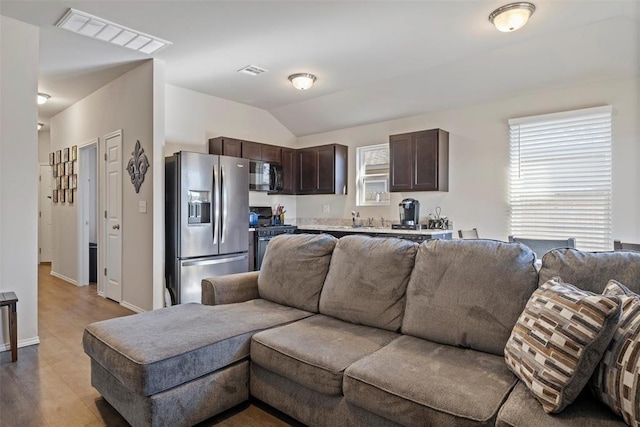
x=367 y=281
x=315 y=351
x=416 y=382
x=469 y=293
x=154 y=351
x=294 y=269
x=592 y=271
x=523 y=410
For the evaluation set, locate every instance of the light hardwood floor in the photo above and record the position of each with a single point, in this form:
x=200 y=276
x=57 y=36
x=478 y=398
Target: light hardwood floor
x=50 y=384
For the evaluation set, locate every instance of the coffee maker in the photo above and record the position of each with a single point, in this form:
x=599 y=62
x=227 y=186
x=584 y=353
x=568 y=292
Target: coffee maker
x=409 y=215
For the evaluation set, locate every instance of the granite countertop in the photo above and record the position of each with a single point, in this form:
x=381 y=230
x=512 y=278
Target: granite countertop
x=369 y=230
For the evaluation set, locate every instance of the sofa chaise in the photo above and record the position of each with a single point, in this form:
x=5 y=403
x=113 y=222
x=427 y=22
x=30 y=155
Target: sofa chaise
x=358 y=331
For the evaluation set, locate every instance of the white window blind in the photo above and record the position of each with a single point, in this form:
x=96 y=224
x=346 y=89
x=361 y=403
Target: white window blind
x=373 y=175
x=560 y=177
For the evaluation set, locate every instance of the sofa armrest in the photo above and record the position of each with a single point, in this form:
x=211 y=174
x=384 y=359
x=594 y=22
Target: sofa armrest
x=230 y=289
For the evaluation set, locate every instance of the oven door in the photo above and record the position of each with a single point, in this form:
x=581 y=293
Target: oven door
x=261 y=250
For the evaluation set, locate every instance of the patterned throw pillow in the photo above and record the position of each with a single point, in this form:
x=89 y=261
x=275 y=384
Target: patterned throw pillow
x=558 y=341
x=616 y=381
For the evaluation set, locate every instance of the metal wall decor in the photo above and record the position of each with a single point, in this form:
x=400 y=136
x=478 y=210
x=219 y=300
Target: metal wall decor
x=138 y=166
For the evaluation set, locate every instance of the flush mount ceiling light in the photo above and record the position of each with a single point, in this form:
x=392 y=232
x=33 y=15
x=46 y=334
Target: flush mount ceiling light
x=43 y=98
x=511 y=17
x=302 y=81
x=101 y=29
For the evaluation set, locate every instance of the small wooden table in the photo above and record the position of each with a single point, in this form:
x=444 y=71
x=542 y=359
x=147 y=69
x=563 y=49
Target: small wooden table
x=11 y=300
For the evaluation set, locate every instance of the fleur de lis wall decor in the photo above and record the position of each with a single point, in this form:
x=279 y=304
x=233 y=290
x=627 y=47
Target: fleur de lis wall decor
x=138 y=166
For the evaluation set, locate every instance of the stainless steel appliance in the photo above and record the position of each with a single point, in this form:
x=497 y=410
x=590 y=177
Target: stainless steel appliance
x=265 y=231
x=409 y=215
x=206 y=204
x=265 y=176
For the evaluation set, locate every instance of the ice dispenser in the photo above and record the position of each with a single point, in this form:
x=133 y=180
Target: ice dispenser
x=199 y=207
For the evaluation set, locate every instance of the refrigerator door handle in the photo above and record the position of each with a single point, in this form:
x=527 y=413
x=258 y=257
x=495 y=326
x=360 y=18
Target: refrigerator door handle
x=216 y=205
x=223 y=203
x=215 y=261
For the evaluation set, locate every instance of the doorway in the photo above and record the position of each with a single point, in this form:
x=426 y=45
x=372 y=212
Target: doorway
x=44 y=215
x=88 y=213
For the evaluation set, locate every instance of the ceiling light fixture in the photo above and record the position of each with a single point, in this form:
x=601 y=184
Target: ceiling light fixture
x=43 y=98
x=92 y=26
x=40 y=125
x=512 y=17
x=302 y=81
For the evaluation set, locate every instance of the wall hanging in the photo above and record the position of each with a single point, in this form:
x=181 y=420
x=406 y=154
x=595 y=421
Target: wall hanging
x=63 y=173
x=138 y=166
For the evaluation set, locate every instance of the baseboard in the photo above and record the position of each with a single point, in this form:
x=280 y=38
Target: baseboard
x=21 y=343
x=65 y=278
x=101 y=294
x=131 y=307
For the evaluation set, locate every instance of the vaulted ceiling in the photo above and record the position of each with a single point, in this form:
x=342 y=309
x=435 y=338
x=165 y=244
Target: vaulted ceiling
x=375 y=60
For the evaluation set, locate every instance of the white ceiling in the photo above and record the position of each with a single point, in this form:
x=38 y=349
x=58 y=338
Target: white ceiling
x=375 y=60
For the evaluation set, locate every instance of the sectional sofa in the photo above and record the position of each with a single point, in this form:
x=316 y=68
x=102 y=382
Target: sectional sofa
x=367 y=331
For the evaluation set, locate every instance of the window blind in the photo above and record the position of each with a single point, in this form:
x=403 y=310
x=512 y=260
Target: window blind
x=560 y=177
x=373 y=175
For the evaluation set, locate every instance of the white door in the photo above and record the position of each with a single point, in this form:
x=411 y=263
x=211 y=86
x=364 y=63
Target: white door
x=113 y=207
x=44 y=215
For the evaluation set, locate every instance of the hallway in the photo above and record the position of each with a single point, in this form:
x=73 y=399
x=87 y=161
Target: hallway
x=50 y=384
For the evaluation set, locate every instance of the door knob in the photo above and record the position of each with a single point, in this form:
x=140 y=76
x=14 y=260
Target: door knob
x=116 y=227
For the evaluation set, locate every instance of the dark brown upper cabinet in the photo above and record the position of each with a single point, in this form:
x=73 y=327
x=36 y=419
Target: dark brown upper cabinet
x=419 y=161
x=245 y=149
x=225 y=146
x=289 y=171
x=322 y=170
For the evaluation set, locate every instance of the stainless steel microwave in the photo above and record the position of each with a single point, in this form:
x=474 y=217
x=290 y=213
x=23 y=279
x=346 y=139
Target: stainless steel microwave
x=265 y=176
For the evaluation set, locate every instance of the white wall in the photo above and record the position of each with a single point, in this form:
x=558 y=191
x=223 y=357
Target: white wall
x=19 y=44
x=44 y=146
x=192 y=118
x=479 y=158
x=126 y=103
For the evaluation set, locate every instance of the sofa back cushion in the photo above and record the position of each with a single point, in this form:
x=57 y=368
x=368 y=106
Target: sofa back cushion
x=294 y=269
x=367 y=281
x=592 y=271
x=469 y=293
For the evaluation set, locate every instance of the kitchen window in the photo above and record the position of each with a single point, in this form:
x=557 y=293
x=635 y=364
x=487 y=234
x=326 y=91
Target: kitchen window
x=560 y=177
x=372 y=175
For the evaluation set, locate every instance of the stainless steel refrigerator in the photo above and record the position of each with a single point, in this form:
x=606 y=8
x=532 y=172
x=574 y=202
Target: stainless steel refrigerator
x=206 y=216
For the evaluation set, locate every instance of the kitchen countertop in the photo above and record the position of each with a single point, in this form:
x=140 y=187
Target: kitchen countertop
x=369 y=230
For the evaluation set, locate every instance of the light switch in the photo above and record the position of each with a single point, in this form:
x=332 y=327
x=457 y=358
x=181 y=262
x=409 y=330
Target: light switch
x=142 y=206
x=326 y=208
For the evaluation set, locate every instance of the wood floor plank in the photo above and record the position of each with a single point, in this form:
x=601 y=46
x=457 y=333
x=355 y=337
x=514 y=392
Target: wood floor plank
x=50 y=384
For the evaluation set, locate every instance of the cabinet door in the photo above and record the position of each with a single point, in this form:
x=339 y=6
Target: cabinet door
x=326 y=169
x=271 y=154
x=401 y=159
x=232 y=147
x=425 y=166
x=251 y=150
x=288 y=171
x=308 y=173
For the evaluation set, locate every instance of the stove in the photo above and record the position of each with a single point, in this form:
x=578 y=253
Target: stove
x=275 y=230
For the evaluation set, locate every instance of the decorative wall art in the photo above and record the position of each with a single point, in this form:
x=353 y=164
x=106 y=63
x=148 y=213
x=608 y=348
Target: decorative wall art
x=64 y=173
x=138 y=166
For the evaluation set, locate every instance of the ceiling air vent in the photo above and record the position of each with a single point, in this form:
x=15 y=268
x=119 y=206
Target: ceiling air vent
x=252 y=70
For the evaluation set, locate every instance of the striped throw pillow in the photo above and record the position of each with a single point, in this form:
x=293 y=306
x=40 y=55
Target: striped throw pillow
x=616 y=381
x=559 y=340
